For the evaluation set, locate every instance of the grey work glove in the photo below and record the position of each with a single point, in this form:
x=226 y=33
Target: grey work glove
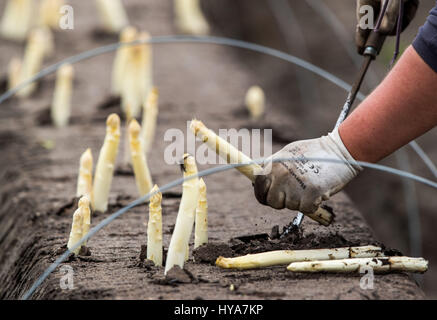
x=303 y=185
x=389 y=22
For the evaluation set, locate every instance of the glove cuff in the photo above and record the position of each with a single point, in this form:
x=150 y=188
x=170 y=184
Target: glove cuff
x=335 y=137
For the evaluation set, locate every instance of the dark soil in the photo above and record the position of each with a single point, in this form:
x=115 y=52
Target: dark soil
x=204 y=81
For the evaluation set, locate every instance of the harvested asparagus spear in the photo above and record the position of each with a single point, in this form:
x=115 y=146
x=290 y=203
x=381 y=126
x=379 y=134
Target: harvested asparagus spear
x=232 y=155
x=189 y=17
x=49 y=13
x=33 y=57
x=61 y=105
x=379 y=265
x=255 y=101
x=81 y=224
x=139 y=162
x=201 y=229
x=129 y=34
x=105 y=164
x=154 y=228
x=112 y=14
x=184 y=222
x=17 y=19
x=150 y=115
x=281 y=257
x=14 y=71
x=85 y=178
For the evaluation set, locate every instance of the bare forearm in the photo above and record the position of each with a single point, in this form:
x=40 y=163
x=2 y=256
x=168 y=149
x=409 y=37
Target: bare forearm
x=401 y=108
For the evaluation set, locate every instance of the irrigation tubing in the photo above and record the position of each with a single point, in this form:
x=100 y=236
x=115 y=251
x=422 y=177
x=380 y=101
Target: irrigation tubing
x=204 y=173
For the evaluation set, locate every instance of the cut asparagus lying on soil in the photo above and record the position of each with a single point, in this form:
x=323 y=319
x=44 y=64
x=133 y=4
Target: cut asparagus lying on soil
x=81 y=224
x=150 y=115
x=154 y=228
x=201 y=229
x=189 y=17
x=33 y=58
x=49 y=13
x=85 y=178
x=17 y=19
x=61 y=105
x=142 y=173
x=137 y=77
x=177 y=250
x=255 y=101
x=112 y=14
x=105 y=164
x=129 y=34
x=14 y=70
x=283 y=257
x=232 y=155
x=379 y=265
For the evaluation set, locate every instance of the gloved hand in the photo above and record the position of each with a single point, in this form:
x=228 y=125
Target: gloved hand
x=303 y=185
x=389 y=22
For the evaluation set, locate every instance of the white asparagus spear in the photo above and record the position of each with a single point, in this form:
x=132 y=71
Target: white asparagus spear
x=49 y=13
x=189 y=17
x=150 y=115
x=142 y=173
x=17 y=19
x=184 y=222
x=14 y=70
x=137 y=78
x=129 y=34
x=33 y=57
x=281 y=257
x=85 y=177
x=61 y=104
x=379 y=265
x=232 y=155
x=112 y=14
x=154 y=228
x=105 y=164
x=201 y=229
x=84 y=204
x=225 y=150
x=255 y=102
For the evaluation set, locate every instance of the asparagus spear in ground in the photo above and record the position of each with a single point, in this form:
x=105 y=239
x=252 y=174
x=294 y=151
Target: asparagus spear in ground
x=184 y=222
x=33 y=57
x=139 y=162
x=49 y=13
x=17 y=19
x=85 y=177
x=81 y=224
x=137 y=76
x=154 y=228
x=189 y=17
x=379 y=265
x=150 y=115
x=14 y=70
x=232 y=155
x=282 y=257
x=201 y=229
x=112 y=14
x=255 y=102
x=105 y=164
x=129 y=34
x=61 y=105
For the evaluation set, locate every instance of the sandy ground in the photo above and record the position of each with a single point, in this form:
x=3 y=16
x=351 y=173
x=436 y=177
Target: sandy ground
x=203 y=81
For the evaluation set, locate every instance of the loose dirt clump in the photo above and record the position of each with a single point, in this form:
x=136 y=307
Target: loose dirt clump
x=209 y=253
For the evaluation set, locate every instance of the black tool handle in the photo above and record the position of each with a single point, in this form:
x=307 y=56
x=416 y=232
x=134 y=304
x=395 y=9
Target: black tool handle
x=374 y=44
